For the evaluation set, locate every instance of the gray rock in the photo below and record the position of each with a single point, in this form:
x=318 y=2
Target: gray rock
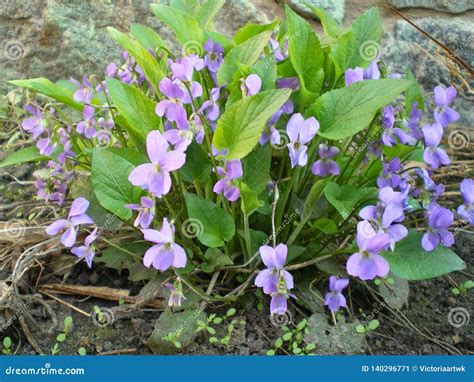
x=404 y=47
x=56 y=40
x=458 y=6
x=334 y=7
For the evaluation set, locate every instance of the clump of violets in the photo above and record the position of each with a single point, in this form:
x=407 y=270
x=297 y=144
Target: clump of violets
x=334 y=299
x=77 y=216
x=466 y=210
x=165 y=253
x=275 y=280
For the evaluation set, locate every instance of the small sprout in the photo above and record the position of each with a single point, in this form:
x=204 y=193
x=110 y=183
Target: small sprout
x=360 y=329
x=7 y=345
x=61 y=337
x=81 y=351
x=67 y=323
x=374 y=324
x=230 y=328
x=213 y=340
x=121 y=301
x=455 y=291
x=278 y=342
x=287 y=336
x=217 y=320
x=310 y=346
x=211 y=330
x=469 y=284
x=231 y=312
x=377 y=282
x=271 y=352
x=390 y=281
x=177 y=344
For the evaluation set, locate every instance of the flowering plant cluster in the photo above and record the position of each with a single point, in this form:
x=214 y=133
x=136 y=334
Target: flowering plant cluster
x=235 y=161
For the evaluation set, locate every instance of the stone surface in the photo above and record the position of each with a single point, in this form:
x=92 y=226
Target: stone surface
x=451 y=6
x=57 y=40
x=404 y=47
x=334 y=7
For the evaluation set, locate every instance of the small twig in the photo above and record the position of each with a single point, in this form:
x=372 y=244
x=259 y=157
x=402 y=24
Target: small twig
x=66 y=303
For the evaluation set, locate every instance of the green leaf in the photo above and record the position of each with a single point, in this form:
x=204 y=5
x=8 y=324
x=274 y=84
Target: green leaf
x=266 y=69
x=215 y=258
x=330 y=26
x=270 y=352
x=67 y=323
x=311 y=200
x=360 y=46
x=27 y=154
x=185 y=26
x=246 y=53
x=216 y=225
x=7 y=342
x=61 y=337
x=250 y=29
x=135 y=107
x=325 y=225
x=147 y=37
x=305 y=53
x=345 y=197
x=413 y=94
x=110 y=182
x=151 y=68
x=197 y=167
x=240 y=127
x=50 y=89
x=256 y=168
x=82 y=351
x=410 y=261
x=374 y=324
x=209 y=10
x=344 y=112
x=249 y=201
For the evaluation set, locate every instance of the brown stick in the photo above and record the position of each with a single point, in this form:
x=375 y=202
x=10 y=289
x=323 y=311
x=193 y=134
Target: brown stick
x=104 y=293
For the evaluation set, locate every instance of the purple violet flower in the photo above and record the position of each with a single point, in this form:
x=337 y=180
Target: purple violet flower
x=36 y=124
x=390 y=132
x=210 y=106
x=389 y=176
x=155 y=176
x=176 y=294
x=434 y=155
x=77 y=215
x=86 y=251
x=251 y=85
x=300 y=132
x=413 y=123
x=172 y=107
x=326 y=166
x=225 y=186
x=334 y=299
x=444 y=114
x=354 y=75
x=439 y=220
x=213 y=58
x=85 y=91
x=466 y=210
x=87 y=126
x=277 y=51
x=145 y=212
x=367 y=263
x=165 y=253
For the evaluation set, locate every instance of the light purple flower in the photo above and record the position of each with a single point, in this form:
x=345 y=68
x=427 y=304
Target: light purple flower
x=326 y=166
x=176 y=294
x=155 y=176
x=413 y=123
x=165 y=253
x=225 y=186
x=439 y=220
x=210 y=106
x=434 y=155
x=36 y=124
x=180 y=138
x=85 y=91
x=183 y=71
x=274 y=259
x=87 y=251
x=172 y=107
x=213 y=58
x=367 y=263
x=251 y=85
x=300 y=132
x=390 y=132
x=45 y=146
x=277 y=51
x=354 y=75
x=334 y=299
x=77 y=215
x=443 y=98
x=466 y=210
x=389 y=176
x=87 y=126
x=145 y=210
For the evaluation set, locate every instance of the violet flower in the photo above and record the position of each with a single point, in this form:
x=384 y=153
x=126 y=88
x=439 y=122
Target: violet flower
x=172 y=107
x=444 y=114
x=145 y=210
x=434 y=155
x=45 y=146
x=225 y=186
x=213 y=58
x=300 y=132
x=389 y=176
x=77 y=215
x=367 y=263
x=85 y=91
x=353 y=75
x=439 y=220
x=36 y=124
x=87 y=126
x=210 y=107
x=176 y=294
x=251 y=85
x=466 y=210
x=155 y=176
x=326 y=166
x=334 y=299
x=183 y=71
x=86 y=251
x=390 y=132
x=277 y=51
x=165 y=253
x=413 y=123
